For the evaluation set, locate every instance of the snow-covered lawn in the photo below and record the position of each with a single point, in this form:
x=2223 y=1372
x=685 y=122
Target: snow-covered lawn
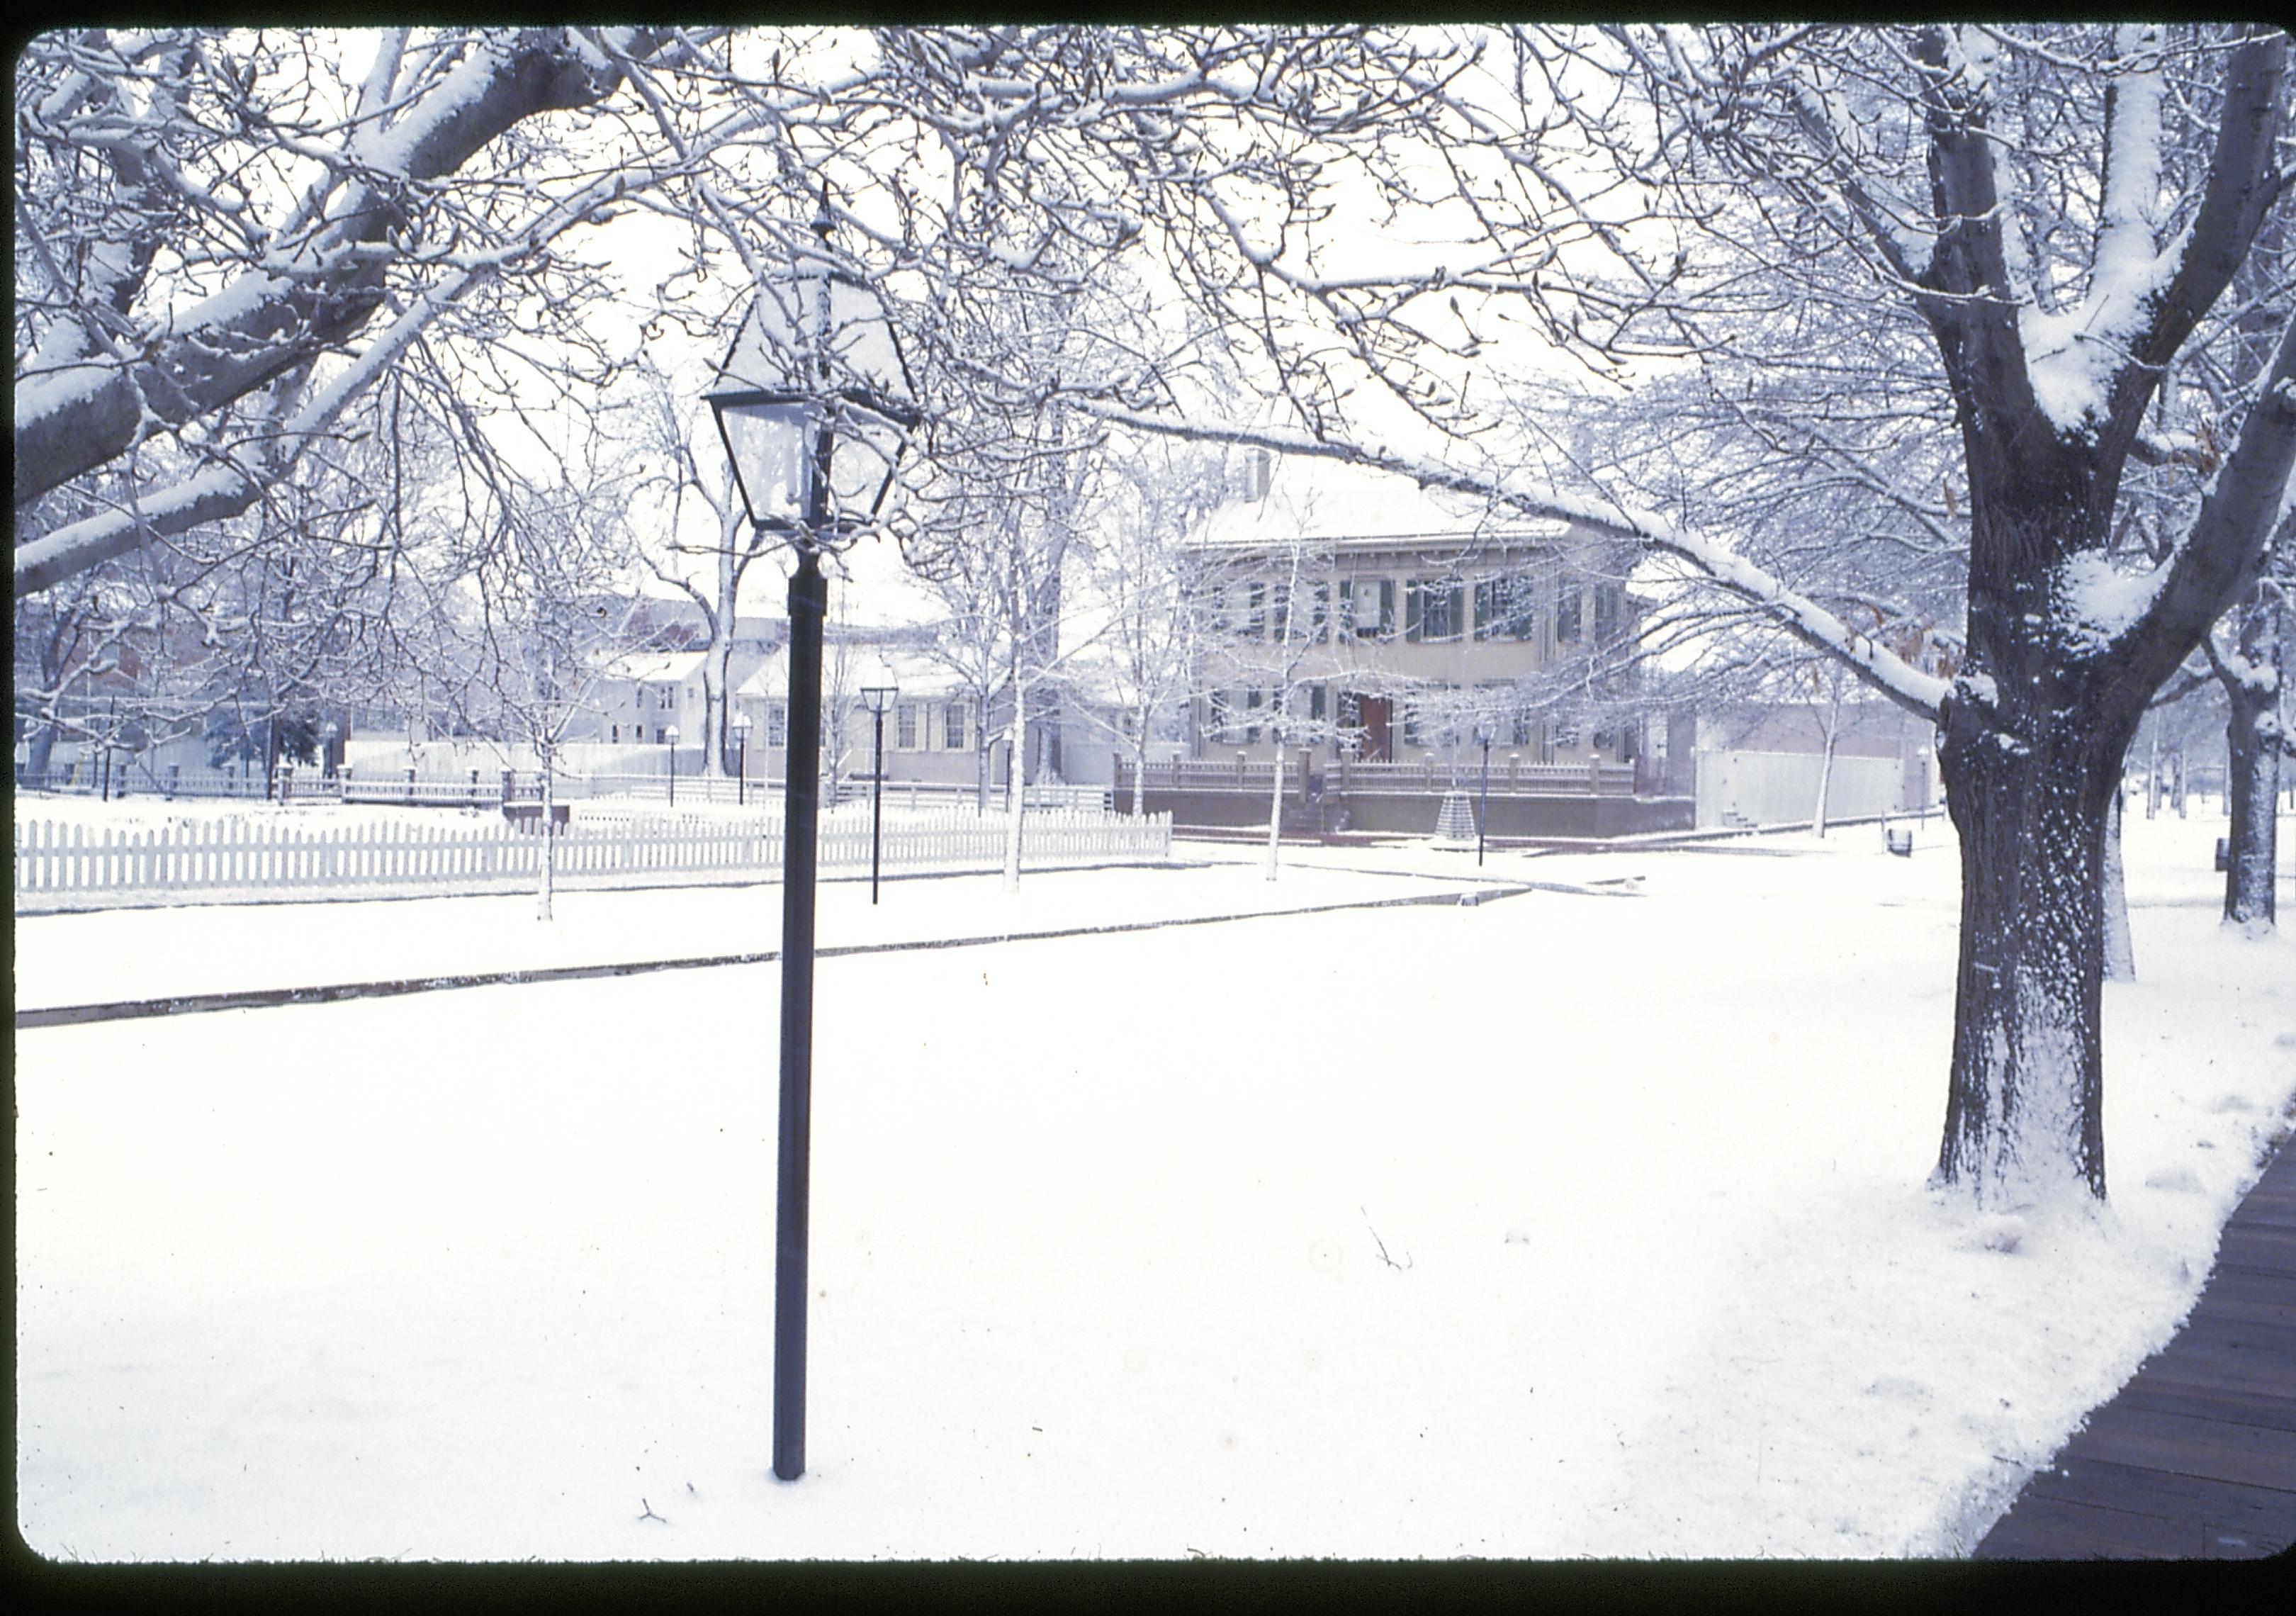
x=1563 y=1225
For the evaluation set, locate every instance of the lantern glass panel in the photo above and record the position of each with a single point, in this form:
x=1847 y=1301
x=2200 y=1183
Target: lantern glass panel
x=769 y=444
x=864 y=454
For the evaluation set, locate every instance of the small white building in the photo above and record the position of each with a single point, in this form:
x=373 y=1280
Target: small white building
x=638 y=695
x=932 y=729
x=1764 y=763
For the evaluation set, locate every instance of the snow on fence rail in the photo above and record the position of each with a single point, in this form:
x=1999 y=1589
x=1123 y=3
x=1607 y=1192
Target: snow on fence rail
x=251 y=859
x=1509 y=776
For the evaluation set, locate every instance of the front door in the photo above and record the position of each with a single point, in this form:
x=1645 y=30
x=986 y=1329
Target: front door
x=1371 y=713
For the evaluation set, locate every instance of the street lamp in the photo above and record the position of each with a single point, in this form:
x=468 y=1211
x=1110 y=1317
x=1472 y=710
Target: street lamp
x=877 y=698
x=813 y=404
x=329 y=733
x=742 y=722
x=1483 y=818
x=670 y=736
x=110 y=731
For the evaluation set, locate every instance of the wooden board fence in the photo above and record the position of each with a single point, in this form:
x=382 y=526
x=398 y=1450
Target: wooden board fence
x=253 y=858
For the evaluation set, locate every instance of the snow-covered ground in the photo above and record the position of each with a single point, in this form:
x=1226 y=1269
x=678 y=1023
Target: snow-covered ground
x=1575 y=1223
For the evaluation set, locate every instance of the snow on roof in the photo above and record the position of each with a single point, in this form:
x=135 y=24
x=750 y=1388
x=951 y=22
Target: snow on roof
x=914 y=672
x=871 y=586
x=1093 y=674
x=654 y=667
x=1329 y=502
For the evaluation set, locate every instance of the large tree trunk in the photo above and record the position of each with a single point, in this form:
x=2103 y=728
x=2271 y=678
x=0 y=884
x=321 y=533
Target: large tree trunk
x=2119 y=946
x=1016 y=784
x=1274 y=812
x=1016 y=799
x=1831 y=727
x=2024 y=1110
x=549 y=835
x=2032 y=745
x=2253 y=799
x=1824 y=786
x=2250 y=673
x=40 y=753
x=717 y=755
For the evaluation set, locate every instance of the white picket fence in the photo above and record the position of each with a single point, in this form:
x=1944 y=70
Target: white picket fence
x=256 y=858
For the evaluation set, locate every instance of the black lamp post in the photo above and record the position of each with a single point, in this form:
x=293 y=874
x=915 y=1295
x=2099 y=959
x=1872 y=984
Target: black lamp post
x=877 y=698
x=742 y=760
x=669 y=737
x=813 y=404
x=1483 y=818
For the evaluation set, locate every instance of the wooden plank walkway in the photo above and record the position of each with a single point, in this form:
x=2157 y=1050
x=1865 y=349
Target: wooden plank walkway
x=2195 y=1457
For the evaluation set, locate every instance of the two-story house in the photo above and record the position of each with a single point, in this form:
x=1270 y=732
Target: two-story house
x=1381 y=633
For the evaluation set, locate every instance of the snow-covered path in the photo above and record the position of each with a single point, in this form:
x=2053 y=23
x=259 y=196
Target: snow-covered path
x=106 y=956
x=1557 y=1226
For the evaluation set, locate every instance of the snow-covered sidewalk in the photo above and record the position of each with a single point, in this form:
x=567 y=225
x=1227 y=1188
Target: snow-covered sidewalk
x=106 y=956
x=1552 y=1226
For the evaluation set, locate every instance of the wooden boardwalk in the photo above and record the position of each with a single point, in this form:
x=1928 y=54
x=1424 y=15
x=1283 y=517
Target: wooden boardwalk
x=2195 y=1458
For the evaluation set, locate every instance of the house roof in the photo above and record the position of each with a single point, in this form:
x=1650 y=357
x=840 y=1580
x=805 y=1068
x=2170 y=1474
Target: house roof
x=915 y=673
x=1331 y=503
x=1092 y=675
x=654 y=667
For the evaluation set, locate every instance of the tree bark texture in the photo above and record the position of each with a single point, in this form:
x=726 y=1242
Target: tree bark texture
x=2024 y=1108
x=1276 y=808
x=1016 y=794
x=2119 y=947
x=2253 y=798
x=549 y=835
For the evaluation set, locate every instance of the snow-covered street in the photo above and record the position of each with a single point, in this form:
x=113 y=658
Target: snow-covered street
x=1580 y=1223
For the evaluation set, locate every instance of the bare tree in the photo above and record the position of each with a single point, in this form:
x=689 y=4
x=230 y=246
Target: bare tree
x=1277 y=666
x=734 y=544
x=2247 y=659
x=1148 y=498
x=540 y=618
x=2059 y=212
x=1000 y=493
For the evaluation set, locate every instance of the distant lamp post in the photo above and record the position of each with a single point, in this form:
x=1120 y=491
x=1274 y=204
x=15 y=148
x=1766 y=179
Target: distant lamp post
x=110 y=744
x=670 y=736
x=742 y=722
x=813 y=405
x=878 y=699
x=329 y=734
x=1483 y=817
